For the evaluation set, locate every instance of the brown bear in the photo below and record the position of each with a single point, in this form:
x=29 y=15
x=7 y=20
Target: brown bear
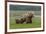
x=27 y=18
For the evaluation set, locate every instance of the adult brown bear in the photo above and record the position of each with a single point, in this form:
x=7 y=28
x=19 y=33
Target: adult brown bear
x=27 y=18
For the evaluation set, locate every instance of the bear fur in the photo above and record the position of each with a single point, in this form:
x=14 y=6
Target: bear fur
x=27 y=18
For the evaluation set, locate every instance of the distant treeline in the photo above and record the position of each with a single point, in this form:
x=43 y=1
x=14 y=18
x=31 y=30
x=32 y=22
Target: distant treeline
x=25 y=8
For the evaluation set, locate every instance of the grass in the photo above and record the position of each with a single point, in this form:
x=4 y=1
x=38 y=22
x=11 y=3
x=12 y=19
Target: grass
x=35 y=24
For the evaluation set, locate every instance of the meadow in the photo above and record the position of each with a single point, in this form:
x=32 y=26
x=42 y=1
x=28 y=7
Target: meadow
x=36 y=23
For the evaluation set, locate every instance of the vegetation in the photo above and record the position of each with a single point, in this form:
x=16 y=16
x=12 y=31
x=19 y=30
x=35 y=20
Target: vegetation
x=35 y=24
x=25 y=8
x=18 y=10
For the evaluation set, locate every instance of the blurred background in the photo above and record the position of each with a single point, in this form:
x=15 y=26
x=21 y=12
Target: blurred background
x=17 y=11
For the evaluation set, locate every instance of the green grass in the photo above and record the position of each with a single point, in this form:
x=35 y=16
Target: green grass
x=35 y=24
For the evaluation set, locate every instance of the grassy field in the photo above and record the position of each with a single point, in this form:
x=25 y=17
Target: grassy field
x=35 y=24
